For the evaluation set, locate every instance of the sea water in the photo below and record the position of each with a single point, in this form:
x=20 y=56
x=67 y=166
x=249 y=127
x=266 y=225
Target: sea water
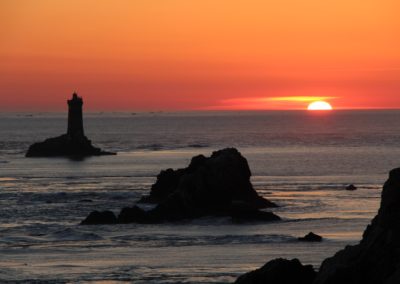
x=300 y=160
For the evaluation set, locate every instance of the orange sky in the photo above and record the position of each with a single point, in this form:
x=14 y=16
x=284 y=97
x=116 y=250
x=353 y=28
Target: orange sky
x=199 y=54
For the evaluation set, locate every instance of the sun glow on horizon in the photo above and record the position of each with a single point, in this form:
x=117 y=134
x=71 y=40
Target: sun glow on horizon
x=319 y=105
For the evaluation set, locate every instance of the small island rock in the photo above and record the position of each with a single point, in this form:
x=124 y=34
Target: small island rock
x=310 y=237
x=351 y=187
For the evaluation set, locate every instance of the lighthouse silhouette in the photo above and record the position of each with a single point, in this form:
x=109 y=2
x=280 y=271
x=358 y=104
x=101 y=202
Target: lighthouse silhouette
x=72 y=144
x=75 y=120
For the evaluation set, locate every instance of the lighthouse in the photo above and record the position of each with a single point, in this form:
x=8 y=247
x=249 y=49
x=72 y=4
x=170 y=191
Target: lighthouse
x=72 y=144
x=75 y=120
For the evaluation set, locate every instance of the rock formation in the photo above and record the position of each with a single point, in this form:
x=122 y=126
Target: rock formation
x=74 y=143
x=279 y=271
x=351 y=187
x=310 y=237
x=215 y=186
x=375 y=260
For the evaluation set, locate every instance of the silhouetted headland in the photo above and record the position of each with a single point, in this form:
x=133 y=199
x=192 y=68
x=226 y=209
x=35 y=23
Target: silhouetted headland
x=375 y=260
x=210 y=186
x=74 y=143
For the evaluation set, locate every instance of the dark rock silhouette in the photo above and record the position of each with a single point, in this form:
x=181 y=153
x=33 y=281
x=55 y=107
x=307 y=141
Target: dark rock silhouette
x=74 y=143
x=225 y=176
x=310 y=237
x=96 y=217
x=215 y=186
x=280 y=271
x=351 y=187
x=134 y=215
x=375 y=260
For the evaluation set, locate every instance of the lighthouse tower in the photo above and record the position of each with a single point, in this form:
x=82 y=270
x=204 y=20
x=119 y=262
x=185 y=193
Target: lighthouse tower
x=75 y=121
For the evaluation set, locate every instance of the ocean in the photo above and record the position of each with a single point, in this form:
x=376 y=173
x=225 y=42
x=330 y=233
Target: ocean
x=300 y=160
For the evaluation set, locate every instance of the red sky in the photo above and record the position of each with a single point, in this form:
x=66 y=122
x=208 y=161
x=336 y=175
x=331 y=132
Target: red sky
x=199 y=54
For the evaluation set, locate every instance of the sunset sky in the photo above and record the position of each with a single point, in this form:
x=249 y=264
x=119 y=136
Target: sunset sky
x=139 y=55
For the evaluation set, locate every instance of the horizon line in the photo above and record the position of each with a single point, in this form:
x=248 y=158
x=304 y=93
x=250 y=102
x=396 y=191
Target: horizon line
x=200 y=110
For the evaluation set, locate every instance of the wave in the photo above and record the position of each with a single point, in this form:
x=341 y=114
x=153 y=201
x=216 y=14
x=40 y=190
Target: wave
x=327 y=219
x=70 y=234
x=179 y=241
x=159 y=147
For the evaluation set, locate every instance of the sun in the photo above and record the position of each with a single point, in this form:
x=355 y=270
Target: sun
x=319 y=105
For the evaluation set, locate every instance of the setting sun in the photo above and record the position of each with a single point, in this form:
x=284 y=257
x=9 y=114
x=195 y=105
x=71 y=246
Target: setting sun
x=319 y=105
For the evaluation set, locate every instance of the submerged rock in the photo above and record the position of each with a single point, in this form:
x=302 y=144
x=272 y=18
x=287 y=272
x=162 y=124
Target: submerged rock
x=280 y=271
x=351 y=187
x=310 y=237
x=215 y=186
x=74 y=143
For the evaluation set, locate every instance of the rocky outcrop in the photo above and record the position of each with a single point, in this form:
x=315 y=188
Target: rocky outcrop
x=310 y=237
x=219 y=179
x=65 y=145
x=279 y=271
x=376 y=259
x=215 y=186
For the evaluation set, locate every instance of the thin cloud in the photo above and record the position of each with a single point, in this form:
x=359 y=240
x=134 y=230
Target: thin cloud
x=259 y=103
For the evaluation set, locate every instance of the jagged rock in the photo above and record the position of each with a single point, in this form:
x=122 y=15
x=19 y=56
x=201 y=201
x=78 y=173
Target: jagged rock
x=215 y=186
x=96 y=218
x=167 y=182
x=280 y=271
x=310 y=237
x=208 y=186
x=351 y=187
x=225 y=176
x=376 y=259
x=74 y=143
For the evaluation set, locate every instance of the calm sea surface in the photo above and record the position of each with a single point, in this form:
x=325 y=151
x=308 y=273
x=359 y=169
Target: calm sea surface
x=300 y=160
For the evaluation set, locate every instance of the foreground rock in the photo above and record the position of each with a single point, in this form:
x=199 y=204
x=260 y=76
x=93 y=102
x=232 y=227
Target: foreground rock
x=375 y=260
x=72 y=144
x=311 y=237
x=280 y=271
x=215 y=186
